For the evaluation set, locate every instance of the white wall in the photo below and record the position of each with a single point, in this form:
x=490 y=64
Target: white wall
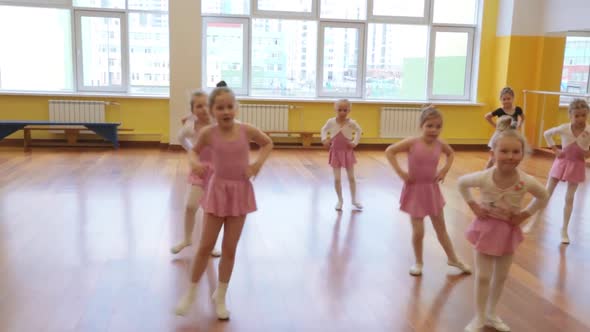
x=541 y=17
x=505 y=13
x=567 y=15
x=528 y=18
x=521 y=17
x=185 y=58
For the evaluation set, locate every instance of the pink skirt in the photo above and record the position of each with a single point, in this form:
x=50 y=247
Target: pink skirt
x=421 y=199
x=229 y=198
x=493 y=236
x=571 y=167
x=342 y=158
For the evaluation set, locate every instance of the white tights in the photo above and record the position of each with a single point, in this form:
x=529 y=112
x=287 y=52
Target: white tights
x=490 y=275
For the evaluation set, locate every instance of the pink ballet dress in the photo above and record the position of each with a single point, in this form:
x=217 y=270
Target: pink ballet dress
x=205 y=157
x=492 y=236
x=341 y=153
x=229 y=192
x=571 y=167
x=422 y=197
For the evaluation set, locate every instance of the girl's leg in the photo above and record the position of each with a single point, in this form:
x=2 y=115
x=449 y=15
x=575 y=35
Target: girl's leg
x=352 y=183
x=338 y=187
x=551 y=184
x=567 y=210
x=500 y=275
x=195 y=194
x=211 y=227
x=417 y=243
x=483 y=272
x=232 y=231
x=438 y=222
x=216 y=252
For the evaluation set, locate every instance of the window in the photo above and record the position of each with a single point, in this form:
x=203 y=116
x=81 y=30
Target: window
x=281 y=47
x=373 y=49
x=302 y=6
x=111 y=4
x=160 y=5
x=225 y=58
x=344 y=9
x=340 y=74
x=576 y=66
x=98 y=30
x=452 y=58
x=36 y=64
x=399 y=8
x=102 y=61
x=455 y=11
x=148 y=26
x=46 y=3
x=393 y=72
x=225 y=7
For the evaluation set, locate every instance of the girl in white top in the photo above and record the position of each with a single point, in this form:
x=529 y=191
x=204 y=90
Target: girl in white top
x=187 y=137
x=569 y=165
x=342 y=135
x=496 y=232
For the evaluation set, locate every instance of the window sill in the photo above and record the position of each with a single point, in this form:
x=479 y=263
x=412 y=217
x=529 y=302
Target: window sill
x=82 y=94
x=362 y=101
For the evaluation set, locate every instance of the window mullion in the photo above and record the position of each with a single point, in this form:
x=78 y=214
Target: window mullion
x=362 y=61
x=247 y=57
x=430 y=61
x=124 y=27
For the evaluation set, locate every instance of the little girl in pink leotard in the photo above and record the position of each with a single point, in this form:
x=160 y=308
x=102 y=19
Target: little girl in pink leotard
x=230 y=195
x=421 y=195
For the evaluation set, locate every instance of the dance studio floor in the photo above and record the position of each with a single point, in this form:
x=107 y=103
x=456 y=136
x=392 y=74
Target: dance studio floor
x=85 y=238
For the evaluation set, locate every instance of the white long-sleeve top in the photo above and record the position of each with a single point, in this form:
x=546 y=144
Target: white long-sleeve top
x=508 y=199
x=351 y=130
x=567 y=136
x=187 y=136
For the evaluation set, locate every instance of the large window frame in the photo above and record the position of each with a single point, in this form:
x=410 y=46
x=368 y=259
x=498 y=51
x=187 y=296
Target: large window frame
x=423 y=20
x=245 y=54
x=360 y=63
x=263 y=13
x=76 y=13
x=363 y=24
x=123 y=31
x=468 y=62
x=564 y=100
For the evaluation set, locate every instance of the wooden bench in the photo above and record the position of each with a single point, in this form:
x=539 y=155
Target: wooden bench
x=108 y=131
x=306 y=136
x=72 y=135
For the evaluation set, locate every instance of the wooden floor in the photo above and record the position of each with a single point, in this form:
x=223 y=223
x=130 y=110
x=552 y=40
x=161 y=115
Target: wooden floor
x=85 y=238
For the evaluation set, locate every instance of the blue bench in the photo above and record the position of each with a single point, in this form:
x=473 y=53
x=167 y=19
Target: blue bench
x=108 y=131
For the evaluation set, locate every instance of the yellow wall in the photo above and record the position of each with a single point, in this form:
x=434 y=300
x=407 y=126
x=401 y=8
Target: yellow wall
x=147 y=117
x=531 y=63
x=461 y=123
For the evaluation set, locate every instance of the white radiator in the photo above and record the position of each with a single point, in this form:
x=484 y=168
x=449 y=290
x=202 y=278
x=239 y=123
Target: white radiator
x=399 y=122
x=76 y=111
x=265 y=117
